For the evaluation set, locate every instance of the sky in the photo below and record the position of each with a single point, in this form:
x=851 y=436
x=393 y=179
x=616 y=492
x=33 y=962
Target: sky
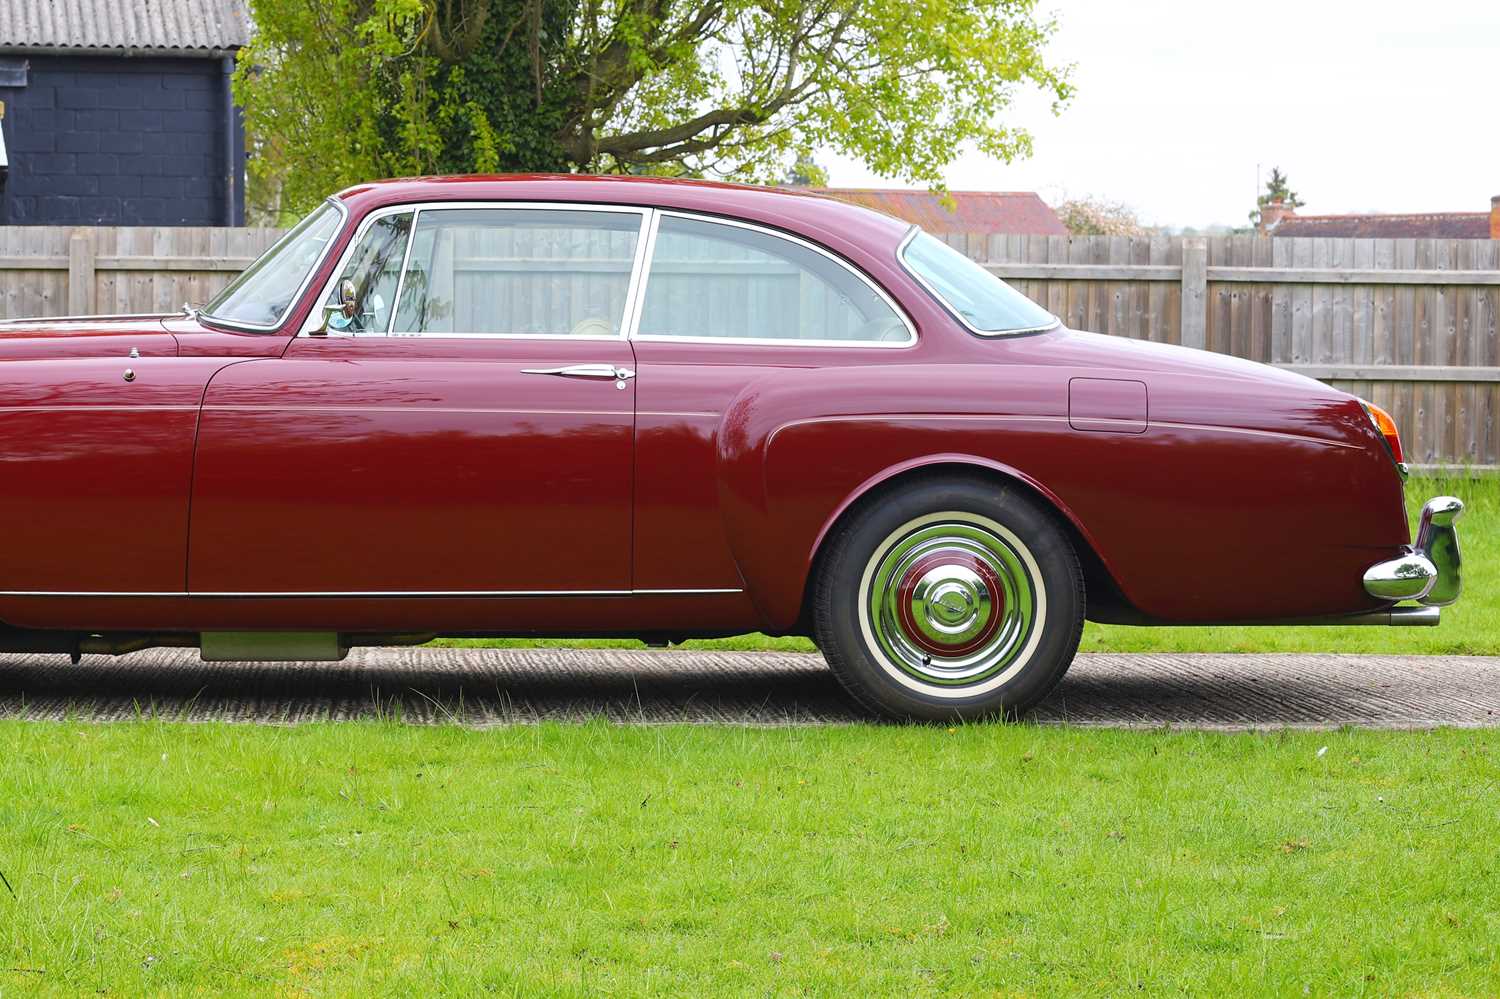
x=1368 y=106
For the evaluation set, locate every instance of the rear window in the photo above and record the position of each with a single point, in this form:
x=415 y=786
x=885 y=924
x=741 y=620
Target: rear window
x=985 y=304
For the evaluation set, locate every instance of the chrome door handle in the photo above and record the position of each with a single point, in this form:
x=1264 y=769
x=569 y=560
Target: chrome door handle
x=610 y=371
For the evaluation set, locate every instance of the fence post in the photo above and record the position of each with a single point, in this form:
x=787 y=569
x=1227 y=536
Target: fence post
x=80 y=275
x=1195 y=292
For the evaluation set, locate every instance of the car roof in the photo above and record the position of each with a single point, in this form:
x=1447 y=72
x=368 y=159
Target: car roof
x=815 y=216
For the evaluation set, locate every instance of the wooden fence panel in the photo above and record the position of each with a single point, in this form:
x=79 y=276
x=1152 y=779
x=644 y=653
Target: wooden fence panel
x=1411 y=324
x=1117 y=302
x=46 y=271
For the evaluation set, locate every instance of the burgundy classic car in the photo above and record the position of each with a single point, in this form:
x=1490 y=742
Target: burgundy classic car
x=574 y=406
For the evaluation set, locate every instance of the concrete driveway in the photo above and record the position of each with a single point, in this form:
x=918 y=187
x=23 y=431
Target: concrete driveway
x=496 y=686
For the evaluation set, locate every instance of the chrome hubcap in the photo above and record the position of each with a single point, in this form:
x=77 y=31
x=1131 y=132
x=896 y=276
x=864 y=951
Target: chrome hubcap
x=950 y=600
x=949 y=603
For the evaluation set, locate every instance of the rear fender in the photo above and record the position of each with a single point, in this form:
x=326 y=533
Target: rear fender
x=1274 y=515
x=798 y=448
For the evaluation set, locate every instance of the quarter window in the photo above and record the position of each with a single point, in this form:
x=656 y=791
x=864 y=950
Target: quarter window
x=371 y=274
x=517 y=271
x=708 y=279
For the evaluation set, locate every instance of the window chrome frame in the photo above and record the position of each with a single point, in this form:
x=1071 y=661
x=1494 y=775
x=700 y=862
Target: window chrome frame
x=906 y=241
x=657 y=215
x=302 y=288
x=313 y=323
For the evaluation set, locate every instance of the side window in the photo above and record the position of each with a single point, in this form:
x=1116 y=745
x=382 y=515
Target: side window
x=713 y=280
x=519 y=271
x=372 y=270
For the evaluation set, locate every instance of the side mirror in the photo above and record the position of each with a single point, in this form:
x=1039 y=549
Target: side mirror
x=348 y=297
x=338 y=315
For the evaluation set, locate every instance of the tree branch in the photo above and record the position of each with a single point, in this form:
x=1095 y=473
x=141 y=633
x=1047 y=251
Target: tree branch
x=779 y=82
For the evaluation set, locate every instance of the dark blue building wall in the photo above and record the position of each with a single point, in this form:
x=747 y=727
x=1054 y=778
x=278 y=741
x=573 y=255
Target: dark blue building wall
x=122 y=141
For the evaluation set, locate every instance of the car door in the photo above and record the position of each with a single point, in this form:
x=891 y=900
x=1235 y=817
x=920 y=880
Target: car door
x=726 y=304
x=463 y=426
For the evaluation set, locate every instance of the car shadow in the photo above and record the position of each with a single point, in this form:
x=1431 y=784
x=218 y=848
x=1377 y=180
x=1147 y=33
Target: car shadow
x=173 y=685
x=483 y=687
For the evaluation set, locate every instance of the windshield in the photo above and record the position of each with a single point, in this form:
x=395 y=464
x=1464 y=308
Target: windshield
x=985 y=303
x=265 y=290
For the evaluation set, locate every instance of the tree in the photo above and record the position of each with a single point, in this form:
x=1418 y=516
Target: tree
x=804 y=172
x=337 y=91
x=1094 y=216
x=1277 y=191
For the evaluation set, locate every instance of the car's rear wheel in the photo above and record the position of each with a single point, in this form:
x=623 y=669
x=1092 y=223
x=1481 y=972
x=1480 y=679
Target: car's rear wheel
x=948 y=599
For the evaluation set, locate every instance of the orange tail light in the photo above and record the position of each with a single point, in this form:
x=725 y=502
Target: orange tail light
x=1387 y=428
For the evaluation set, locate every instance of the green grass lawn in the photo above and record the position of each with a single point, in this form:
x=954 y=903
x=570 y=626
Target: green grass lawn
x=1471 y=627
x=357 y=858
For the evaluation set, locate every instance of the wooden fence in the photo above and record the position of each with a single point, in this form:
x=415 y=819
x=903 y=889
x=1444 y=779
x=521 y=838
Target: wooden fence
x=1408 y=323
x=60 y=271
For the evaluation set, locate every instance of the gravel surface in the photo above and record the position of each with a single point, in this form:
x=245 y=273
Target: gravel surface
x=495 y=686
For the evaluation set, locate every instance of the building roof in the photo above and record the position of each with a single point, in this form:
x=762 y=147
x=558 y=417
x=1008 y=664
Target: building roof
x=1434 y=225
x=137 y=27
x=1020 y=212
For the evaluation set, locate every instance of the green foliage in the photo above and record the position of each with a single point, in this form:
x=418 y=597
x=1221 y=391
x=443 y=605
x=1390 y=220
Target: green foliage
x=1277 y=191
x=338 y=91
x=804 y=172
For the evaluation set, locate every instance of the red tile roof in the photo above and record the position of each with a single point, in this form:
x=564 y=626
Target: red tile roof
x=1435 y=225
x=1021 y=212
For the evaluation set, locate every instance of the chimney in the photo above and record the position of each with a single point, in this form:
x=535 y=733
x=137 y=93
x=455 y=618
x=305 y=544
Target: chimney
x=1495 y=217
x=1272 y=214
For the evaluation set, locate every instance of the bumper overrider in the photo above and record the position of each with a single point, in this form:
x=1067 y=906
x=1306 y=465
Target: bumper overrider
x=1429 y=573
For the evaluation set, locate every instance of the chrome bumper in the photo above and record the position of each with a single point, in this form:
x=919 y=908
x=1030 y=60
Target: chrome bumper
x=1431 y=572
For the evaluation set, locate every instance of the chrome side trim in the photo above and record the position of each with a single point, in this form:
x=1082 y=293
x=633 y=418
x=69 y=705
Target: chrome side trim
x=1004 y=418
x=570 y=337
x=771 y=341
x=369 y=594
x=635 y=294
x=411 y=239
x=584 y=371
x=306 y=280
x=515 y=410
x=859 y=275
x=912 y=234
x=143 y=408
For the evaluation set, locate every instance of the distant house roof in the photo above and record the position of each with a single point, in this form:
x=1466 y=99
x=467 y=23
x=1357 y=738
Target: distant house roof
x=137 y=27
x=1021 y=212
x=1435 y=225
